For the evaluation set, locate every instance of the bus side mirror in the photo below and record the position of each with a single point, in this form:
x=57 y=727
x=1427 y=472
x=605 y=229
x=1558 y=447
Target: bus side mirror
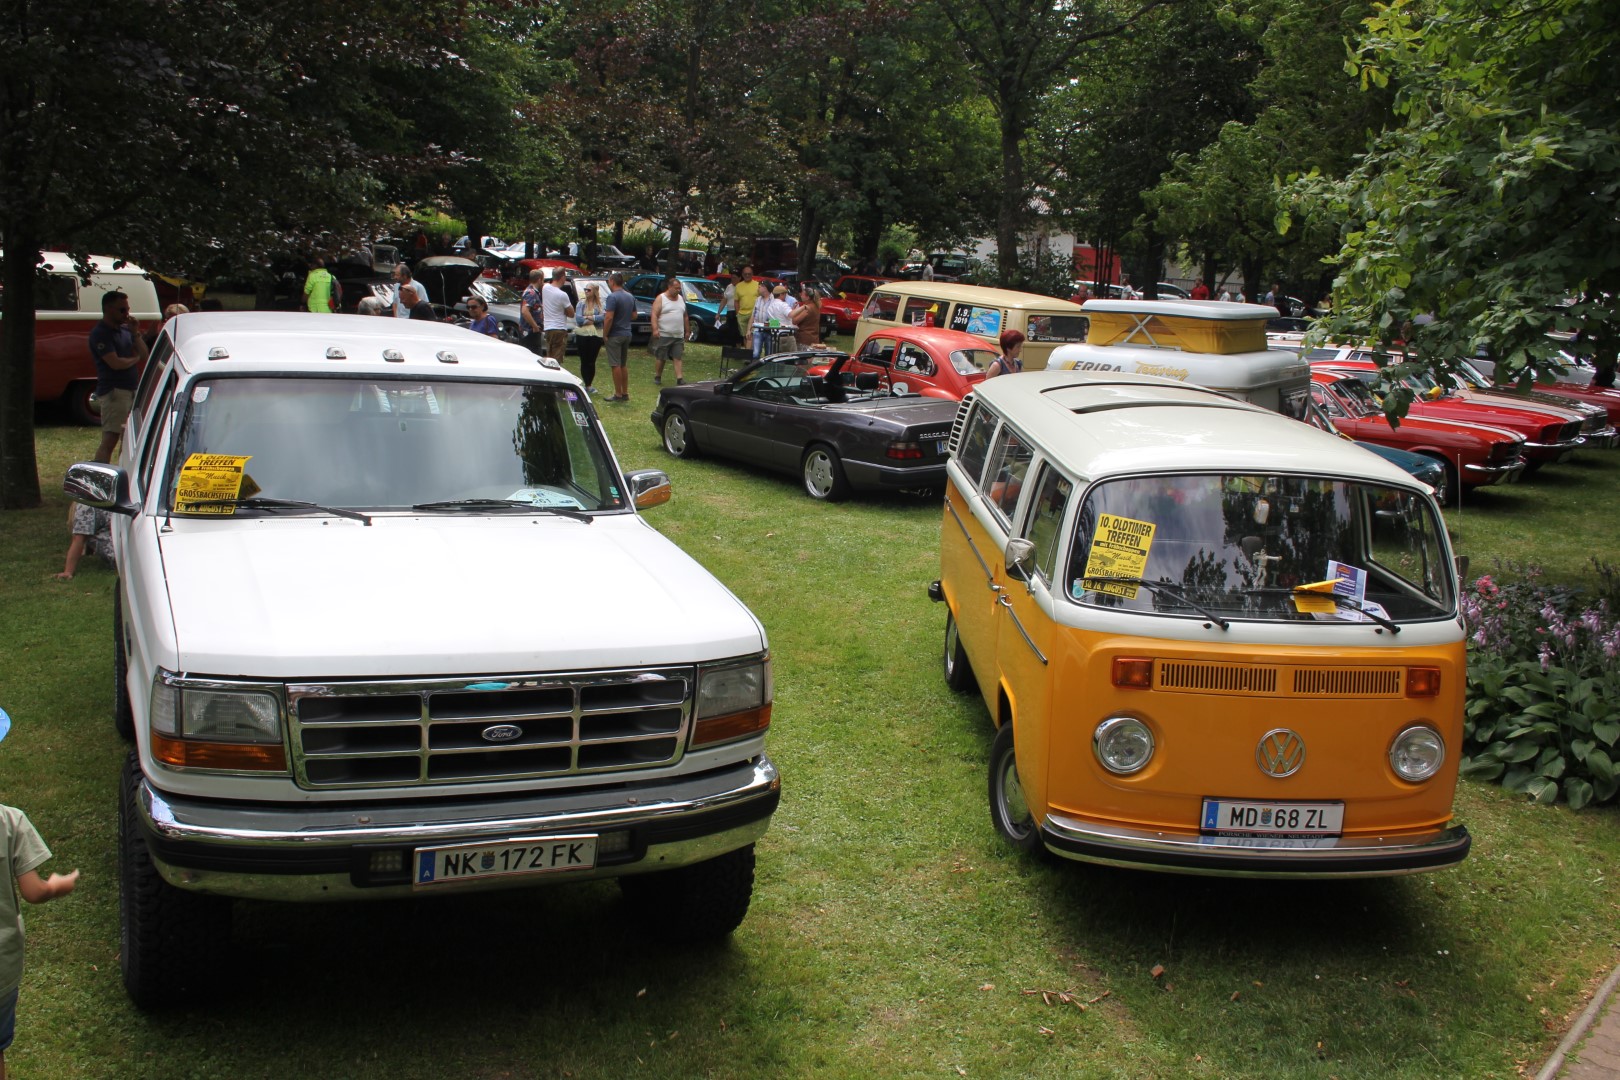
x=1020 y=560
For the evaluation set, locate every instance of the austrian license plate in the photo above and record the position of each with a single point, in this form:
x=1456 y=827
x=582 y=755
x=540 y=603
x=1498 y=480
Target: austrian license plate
x=472 y=862
x=1235 y=817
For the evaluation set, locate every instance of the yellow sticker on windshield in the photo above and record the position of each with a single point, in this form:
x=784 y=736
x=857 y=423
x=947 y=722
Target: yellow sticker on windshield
x=1119 y=548
x=205 y=477
x=1314 y=604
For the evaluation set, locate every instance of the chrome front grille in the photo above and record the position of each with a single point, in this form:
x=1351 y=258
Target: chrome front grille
x=447 y=731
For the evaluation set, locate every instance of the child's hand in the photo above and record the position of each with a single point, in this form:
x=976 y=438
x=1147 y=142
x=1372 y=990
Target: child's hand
x=62 y=884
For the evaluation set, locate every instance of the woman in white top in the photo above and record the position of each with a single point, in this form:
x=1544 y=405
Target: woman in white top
x=775 y=312
x=669 y=330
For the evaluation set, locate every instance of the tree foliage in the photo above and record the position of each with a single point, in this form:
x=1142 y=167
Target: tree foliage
x=1490 y=205
x=189 y=135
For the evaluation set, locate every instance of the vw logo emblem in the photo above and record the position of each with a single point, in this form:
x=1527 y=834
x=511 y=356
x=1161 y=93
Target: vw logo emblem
x=1281 y=752
x=501 y=732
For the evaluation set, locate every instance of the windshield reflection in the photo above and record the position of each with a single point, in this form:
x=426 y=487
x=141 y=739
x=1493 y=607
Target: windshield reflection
x=1239 y=545
x=382 y=444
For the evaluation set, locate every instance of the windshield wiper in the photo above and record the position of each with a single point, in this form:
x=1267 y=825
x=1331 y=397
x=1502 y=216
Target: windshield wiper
x=1354 y=605
x=260 y=503
x=505 y=504
x=1165 y=586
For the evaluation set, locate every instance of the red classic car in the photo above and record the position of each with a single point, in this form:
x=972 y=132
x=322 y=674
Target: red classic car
x=518 y=272
x=924 y=361
x=1550 y=433
x=1474 y=454
x=848 y=297
x=1605 y=398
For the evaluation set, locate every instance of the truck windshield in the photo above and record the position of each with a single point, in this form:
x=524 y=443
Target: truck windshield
x=388 y=444
x=1246 y=546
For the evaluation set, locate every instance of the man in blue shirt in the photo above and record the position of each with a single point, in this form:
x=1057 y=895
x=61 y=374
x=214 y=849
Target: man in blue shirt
x=118 y=350
x=619 y=313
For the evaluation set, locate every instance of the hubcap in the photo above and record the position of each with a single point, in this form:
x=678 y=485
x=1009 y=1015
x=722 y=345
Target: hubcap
x=818 y=474
x=1013 y=804
x=675 y=435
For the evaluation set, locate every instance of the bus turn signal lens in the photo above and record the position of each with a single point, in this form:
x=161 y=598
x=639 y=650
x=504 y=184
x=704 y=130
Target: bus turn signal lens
x=1422 y=682
x=1133 y=673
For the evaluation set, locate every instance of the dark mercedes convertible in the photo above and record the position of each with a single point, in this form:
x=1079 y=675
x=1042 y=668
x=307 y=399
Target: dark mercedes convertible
x=835 y=431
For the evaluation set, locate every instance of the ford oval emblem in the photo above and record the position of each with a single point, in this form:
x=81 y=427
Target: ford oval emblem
x=501 y=732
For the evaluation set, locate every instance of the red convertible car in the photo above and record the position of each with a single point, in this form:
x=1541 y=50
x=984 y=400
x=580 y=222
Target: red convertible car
x=1474 y=454
x=1550 y=433
x=923 y=361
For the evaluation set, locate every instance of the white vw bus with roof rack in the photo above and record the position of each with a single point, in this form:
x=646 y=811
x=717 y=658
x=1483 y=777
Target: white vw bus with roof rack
x=355 y=658
x=1208 y=343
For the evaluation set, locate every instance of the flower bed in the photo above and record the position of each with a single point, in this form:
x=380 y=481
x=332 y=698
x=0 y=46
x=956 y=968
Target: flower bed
x=1543 y=713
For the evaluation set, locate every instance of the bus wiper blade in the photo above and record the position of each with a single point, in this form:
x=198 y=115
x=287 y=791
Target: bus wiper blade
x=1354 y=605
x=258 y=502
x=505 y=504
x=1174 y=590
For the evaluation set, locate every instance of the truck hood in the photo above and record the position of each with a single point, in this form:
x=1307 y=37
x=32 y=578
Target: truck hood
x=320 y=597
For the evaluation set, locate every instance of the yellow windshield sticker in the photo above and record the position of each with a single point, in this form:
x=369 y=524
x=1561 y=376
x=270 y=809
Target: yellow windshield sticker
x=212 y=476
x=1314 y=603
x=1318 y=586
x=1119 y=548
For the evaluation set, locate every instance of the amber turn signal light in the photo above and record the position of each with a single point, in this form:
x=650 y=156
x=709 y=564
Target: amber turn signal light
x=242 y=757
x=1422 y=682
x=1133 y=673
x=731 y=726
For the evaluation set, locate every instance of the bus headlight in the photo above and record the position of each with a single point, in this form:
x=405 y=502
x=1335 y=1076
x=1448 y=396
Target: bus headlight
x=1123 y=744
x=1417 y=753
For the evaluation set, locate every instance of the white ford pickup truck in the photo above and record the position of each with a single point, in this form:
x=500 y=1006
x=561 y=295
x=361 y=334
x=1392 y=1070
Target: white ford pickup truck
x=388 y=623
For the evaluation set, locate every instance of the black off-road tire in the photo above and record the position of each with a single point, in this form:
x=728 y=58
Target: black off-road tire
x=701 y=902
x=1009 y=811
x=169 y=939
x=123 y=711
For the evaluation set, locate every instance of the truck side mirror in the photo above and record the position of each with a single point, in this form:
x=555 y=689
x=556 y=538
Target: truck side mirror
x=648 y=487
x=103 y=487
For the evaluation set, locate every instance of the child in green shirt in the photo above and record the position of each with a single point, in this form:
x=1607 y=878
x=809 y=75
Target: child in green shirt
x=23 y=853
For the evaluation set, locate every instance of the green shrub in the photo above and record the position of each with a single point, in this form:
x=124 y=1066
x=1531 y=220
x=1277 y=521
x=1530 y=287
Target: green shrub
x=1543 y=712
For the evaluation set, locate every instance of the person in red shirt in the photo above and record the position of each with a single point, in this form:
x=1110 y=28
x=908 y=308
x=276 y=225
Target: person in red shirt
x=1200 y=291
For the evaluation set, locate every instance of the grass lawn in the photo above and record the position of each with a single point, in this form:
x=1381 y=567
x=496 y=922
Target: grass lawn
x=892 y=934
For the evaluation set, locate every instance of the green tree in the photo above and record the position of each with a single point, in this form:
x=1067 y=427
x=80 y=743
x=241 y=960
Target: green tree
x=1018 y=51
x=1113 y=132
x=212 y=134
x=1490 y=204
x=1227 y=201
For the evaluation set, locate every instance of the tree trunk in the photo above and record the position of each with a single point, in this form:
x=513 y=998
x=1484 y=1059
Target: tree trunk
x=809 y=238
x=19 y=468
x=1010 y=204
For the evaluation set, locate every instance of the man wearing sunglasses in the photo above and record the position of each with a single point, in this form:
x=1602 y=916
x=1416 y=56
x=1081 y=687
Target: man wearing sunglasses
x=118 y=350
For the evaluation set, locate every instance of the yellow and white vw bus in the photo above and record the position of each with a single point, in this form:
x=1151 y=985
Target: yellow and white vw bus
x=1212 y=639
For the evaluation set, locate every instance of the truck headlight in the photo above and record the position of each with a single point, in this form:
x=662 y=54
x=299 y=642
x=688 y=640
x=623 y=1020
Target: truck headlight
x=1123 y=744
x=196 y=727
x=1417 y=753
x=733 y=701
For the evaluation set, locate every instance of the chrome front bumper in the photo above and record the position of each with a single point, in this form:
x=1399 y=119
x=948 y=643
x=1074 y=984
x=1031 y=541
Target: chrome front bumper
x=315 y=852
x=1259 y=856
x=1506 y=473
